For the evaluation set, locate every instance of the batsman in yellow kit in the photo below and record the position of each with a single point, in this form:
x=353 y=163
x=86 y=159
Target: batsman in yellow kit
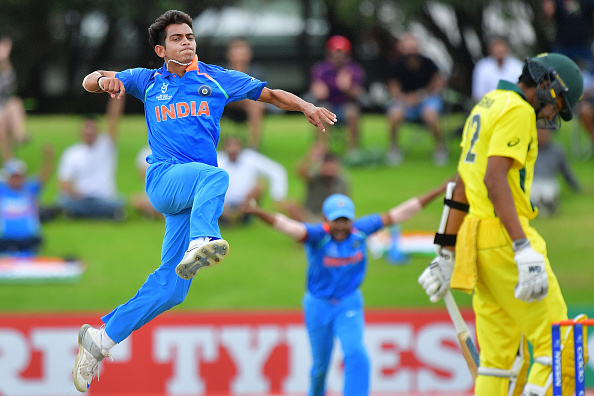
x=490 y=248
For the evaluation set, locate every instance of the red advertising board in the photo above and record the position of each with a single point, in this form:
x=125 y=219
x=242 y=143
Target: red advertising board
x=231 y=353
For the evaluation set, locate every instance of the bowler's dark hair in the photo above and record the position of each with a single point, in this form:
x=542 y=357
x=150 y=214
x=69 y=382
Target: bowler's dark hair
x=157 y=31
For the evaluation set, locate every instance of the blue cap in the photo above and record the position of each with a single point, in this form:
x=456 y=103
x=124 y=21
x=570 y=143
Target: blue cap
x=338 y=205
x=15 y=166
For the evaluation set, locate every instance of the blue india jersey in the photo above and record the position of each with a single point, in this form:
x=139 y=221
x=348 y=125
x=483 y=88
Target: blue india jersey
x=19 y=212
x=183 y=113
x=336 y=269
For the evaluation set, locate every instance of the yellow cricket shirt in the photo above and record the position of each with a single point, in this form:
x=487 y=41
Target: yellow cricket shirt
x=502 y=124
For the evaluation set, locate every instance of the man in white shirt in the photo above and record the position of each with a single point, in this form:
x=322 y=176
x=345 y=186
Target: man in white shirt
x=499 y=65
x=246 y=168
x=87 y=171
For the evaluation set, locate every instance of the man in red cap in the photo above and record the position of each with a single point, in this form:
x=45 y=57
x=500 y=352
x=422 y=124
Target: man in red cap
x=338 y=83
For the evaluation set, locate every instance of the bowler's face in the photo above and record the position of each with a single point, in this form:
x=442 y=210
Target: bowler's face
x=180 y=43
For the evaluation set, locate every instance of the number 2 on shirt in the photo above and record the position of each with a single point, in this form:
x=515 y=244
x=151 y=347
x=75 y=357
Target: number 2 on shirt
x=475 y=126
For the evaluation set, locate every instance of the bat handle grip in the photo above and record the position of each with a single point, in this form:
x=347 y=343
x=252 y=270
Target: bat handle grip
x=454 y=312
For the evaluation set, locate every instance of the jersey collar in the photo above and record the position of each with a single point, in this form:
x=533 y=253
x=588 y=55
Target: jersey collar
x=190 y=67
x=507 y=86
x=193 y=65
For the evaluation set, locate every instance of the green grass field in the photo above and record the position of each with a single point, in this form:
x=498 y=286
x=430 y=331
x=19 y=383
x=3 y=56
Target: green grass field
x=266 y=270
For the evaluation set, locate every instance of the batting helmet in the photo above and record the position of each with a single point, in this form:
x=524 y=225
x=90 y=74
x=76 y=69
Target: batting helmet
x=564 y=78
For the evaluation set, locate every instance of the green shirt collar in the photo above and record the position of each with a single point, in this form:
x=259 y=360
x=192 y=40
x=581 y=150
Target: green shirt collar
x=507 y=86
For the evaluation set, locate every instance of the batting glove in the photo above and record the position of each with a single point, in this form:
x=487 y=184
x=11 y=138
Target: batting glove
x=437 y=276
x=533 y=281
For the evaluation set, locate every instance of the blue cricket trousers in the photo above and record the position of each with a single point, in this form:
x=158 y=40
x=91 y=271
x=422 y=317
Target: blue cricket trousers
x=327 y=319
x=191 y=197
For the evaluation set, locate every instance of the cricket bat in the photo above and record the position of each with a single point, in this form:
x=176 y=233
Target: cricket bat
x=466 y=343
x=469 y=350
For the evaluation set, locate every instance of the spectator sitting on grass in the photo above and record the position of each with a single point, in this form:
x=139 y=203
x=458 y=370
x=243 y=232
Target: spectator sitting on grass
x=87 y=171
x=20 y=229
x=322 y=173
x=246 y=167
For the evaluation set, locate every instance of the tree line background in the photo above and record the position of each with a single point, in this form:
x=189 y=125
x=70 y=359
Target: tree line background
x=57 y=42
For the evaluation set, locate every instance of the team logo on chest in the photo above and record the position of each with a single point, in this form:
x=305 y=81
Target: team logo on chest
x=205 y=90
x=164 y=95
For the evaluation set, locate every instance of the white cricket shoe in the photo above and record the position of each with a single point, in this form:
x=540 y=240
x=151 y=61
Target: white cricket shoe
x=202 y=252
x=89 y=355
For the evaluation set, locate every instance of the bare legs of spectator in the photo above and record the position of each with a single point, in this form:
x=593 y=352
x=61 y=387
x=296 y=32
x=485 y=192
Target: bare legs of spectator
x=431 y=119
x=352 y=114
x=15 y=114
x=5 y=142
x=12 y=127
x=255 y=114
x=349 y=117
x=395 y=119
x=252 y=113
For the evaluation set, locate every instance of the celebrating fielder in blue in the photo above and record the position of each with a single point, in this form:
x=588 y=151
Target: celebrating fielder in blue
x=183 y=104
x=337 y=263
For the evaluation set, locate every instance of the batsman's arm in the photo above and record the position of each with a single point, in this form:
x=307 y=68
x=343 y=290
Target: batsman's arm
x=501 y=196
x=455 y=218
x=533 y=283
